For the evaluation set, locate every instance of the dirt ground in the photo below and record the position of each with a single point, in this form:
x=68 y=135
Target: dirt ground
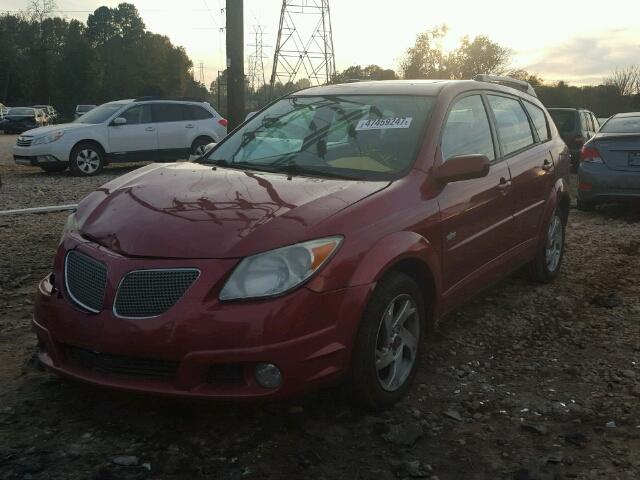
x=525 y=382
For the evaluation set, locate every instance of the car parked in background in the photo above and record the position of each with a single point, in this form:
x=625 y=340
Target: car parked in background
x=601 y=121
x=610 y=163
x=3 y=110
x=82 y=109
x=148 y=128
x=21 y=119
x=576 y=126
x=52 y=114
x=319 y=242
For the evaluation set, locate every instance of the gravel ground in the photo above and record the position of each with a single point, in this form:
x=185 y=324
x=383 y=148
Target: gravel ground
x=525 y=382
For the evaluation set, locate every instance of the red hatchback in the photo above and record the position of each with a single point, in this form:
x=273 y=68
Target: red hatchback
x=317 y=243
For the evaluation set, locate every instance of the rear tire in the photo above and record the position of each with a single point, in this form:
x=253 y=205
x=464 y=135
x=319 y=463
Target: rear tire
x=391 y=331
x=546 y=266
x=54 y=168
x=86 y=160
x=585 y=205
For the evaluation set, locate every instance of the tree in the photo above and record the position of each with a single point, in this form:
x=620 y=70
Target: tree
x=531 y=78
x=478 y=56
x=626 y=81
x=426 y=59
x=370 y=72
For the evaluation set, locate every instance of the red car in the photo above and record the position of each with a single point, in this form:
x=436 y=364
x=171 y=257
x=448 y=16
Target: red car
x=317 y=243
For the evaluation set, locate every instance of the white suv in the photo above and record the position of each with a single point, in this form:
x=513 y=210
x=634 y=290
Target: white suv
x=147 y=128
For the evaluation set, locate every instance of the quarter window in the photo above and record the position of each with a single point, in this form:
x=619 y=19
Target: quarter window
x=197 y=113
x=467 y=130
x=513 y=126
x=539 y=121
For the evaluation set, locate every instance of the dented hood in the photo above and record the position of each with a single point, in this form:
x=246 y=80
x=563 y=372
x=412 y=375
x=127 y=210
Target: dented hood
x=189 y=210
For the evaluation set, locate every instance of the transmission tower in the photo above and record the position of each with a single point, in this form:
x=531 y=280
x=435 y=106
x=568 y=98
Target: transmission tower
x=305 y=44
x=201 y=73
x=256 y=76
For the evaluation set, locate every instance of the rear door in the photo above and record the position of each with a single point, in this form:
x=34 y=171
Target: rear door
x=137 y=139
x=175 y=129
x=476 y=214
x=525 y=146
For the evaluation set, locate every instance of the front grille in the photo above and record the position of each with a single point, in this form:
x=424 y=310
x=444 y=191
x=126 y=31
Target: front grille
x=120 y=365
x=86 y=280
x=24 y=141
x=149 y=293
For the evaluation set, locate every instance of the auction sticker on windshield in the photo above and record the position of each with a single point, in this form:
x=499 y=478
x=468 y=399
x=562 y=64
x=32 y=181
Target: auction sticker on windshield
x=384 y=123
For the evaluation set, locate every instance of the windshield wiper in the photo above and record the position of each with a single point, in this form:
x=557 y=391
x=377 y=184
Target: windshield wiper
x=295 y=169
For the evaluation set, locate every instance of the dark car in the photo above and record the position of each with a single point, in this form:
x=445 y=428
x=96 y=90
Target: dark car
x=21 y=119
x=576 y=126
x=610 y=163
x=317 y=243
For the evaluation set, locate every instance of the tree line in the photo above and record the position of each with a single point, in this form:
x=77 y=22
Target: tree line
x=52 y=60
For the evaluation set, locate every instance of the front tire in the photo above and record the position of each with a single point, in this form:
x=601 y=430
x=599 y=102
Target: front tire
x=387 y=348
x=197 y=148
x=86 y=160
x=546 y=266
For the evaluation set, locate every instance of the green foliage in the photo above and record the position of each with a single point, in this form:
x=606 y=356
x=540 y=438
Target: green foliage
x=54 y=61
x=371 y=72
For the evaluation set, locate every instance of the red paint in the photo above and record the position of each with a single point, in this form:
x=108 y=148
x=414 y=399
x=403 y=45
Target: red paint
x=461 y=235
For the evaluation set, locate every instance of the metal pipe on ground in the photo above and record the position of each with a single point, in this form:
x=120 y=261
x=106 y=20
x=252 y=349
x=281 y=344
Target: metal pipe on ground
x=51 y=209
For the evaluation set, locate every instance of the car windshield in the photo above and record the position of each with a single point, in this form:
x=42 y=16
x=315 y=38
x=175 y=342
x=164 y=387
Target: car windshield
x=564 y=120
x=21 y=111
x=363 y=137
x=99 y=114
x=622 y=125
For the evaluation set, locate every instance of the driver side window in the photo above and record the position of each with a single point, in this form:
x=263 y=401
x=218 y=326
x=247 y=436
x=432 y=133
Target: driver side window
x=137 y=115
x=467 y=130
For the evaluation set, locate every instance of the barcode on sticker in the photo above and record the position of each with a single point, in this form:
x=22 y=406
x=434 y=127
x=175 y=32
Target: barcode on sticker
x=384 y=123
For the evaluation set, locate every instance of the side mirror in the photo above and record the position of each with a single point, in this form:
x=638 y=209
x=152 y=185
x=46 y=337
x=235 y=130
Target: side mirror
x=463 y=167
x=119 y=121
x=207 y=148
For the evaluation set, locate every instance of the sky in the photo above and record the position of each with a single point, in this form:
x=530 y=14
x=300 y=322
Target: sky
x=577 y=41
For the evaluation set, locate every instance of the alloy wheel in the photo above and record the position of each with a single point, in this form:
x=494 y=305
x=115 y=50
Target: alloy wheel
x=88 y=161
x=397 y=342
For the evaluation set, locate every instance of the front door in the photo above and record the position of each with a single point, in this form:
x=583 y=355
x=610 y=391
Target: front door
x=476 y=214
x=135 y=140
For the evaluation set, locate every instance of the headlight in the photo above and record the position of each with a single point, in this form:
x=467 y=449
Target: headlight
x=52 y=137
x=69 y=227
x=278 y=271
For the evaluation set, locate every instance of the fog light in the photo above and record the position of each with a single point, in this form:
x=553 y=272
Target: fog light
x=268 y=375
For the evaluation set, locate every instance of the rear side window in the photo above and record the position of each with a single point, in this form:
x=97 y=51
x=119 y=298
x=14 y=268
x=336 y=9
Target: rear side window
x=169 y=112
x=197 y=113
x=539 y=121
x=513 y=126
x=467 y=130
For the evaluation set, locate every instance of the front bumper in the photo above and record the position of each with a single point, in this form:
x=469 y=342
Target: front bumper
x=308 y=335
x=50 y=153
x=597 y=182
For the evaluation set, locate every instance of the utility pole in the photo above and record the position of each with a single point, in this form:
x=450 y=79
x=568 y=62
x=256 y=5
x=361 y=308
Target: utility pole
x=235 y=63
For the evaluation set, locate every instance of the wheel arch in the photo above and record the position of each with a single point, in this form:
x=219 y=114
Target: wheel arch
x=92 y=141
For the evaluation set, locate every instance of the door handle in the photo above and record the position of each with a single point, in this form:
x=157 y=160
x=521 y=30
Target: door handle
x=150 y=129
x=189 y=125
x=504 y=185
x=547 y=165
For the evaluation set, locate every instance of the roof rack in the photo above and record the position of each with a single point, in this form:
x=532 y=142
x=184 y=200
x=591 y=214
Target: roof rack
x=156 y=97
x=507 y=82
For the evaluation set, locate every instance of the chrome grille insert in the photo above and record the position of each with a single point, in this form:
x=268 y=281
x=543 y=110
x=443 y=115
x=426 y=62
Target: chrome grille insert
x=149 y=293
x=24 y=141
x=86 y=280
